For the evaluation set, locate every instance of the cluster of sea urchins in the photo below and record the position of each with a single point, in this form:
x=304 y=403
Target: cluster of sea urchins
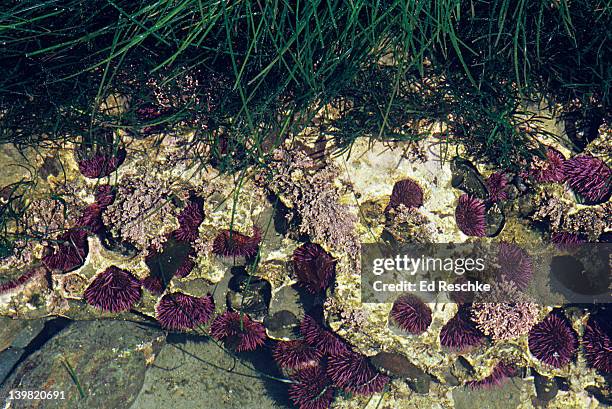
x=586 y=175
x=320 y=363
x=70 y=249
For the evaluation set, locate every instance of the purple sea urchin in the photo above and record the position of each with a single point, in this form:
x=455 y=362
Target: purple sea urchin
x=496 y=184
x=68 y=252
x=238 y=331
x=411 y=314
x=190 y=219
x=91 y=219
x=515 y=264
x=99 y=166
x=22 y=279
x=178 y=311
x=470 y=216
x=549 y=170
x=597 y=342
x=296 y=354
x=566 y=241
x=113 y=290
x=354 y=373
x=153 y=284
x=187 y=265
x=314 y=267
x=104 y=195
x=553 y=341
x=406 y=192
x=590 y=177
x=499 y=375
x=229 y=243
x=326 y=341
x=460 y=333
x=311 y=389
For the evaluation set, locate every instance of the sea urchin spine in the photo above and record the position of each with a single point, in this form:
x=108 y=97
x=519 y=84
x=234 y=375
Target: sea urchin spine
x=190 y=219
x=411 y=314
x=515 y=264
x=406 y=192
x=470 y=215
x=238 y=330
x=178 y=311
x=590 y=177
x=553 y=341
x=597 y=342
x=325 y=341
x=354 y=373
x=295 y=354
x=230 y=243
x=314 y=267
x=312 y=389
x=460 y=333
x=113 y=290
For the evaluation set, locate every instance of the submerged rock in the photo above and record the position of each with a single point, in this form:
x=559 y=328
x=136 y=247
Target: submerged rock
x=546 y=388
x=250 y=295
x=98 y=364
x=397 y=365
x=191 y=372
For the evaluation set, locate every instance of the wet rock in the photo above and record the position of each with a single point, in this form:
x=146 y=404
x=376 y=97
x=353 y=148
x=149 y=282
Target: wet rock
x=582 y=129
x=526 y=207
x=124 y=248
x=513 y=192
x=506 y=396
x=166 y=263
x=282 y=325
x=398 y=366
x=191 y=372
x=50 y=166
x=466 y=177
x=107 y=358
x=519 y=183
x=29 y=330
x=249 y=294
x=450 y=379
x=581 y=275
x=460 y=370
x=546 y=388
x=495 y=220
x=562 y=383
x=8 y=358
x=286 y=308
x=9 y=329
x=603 y=395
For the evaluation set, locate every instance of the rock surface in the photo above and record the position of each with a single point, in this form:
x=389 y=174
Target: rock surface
x=192 y=372
x=107 y=359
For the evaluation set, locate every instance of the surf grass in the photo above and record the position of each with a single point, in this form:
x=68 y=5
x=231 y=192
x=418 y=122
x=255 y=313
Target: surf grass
x=247 y=75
